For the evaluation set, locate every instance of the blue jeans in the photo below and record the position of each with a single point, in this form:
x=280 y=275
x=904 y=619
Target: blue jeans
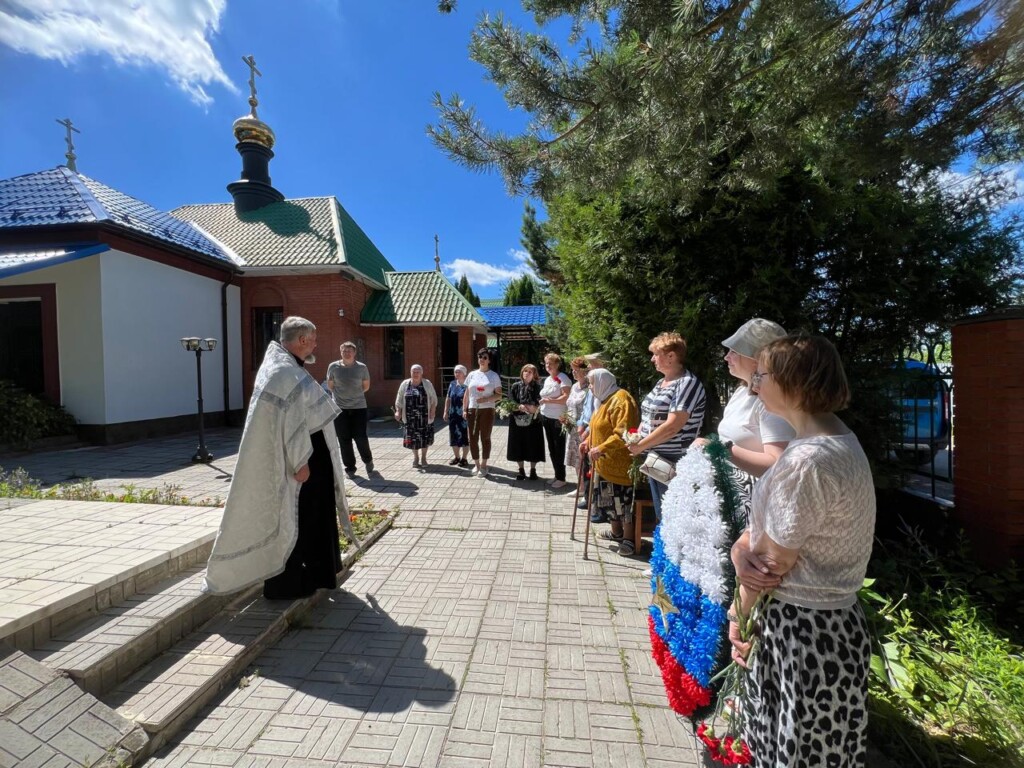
x=657 y=491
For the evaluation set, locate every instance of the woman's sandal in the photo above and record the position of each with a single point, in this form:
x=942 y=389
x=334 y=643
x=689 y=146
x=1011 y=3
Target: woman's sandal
x=609 y=536
x=626 y=548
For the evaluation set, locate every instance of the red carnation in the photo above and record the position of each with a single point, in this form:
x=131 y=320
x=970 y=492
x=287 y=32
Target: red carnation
x=633 y=430
x=480 y=389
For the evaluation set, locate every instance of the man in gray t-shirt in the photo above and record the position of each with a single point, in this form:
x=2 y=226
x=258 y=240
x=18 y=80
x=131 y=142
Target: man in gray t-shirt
x=348 y=380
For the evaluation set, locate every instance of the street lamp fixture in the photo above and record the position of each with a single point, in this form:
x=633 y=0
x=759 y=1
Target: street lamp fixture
x=197 y=345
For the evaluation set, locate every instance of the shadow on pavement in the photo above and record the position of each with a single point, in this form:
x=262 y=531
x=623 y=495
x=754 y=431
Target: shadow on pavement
x=373 y=665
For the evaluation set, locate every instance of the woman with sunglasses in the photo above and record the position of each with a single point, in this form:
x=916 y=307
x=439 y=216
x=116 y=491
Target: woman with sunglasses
x=483 y=391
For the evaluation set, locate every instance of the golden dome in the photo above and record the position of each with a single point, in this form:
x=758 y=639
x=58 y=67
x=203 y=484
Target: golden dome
x=250 y=128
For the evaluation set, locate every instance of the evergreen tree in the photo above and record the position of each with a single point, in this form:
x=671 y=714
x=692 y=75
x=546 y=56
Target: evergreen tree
x=703 y=163
x=542 y=259
x=466 y=290
x=523 y=291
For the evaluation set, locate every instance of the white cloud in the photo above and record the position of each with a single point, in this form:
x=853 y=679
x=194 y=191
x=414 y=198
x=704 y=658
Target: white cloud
x=169 y=34
x=519 y=255
x=1008 y=187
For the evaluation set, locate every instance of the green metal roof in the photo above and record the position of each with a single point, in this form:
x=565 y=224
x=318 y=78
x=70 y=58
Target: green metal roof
x=419 y=298
x=305 y=232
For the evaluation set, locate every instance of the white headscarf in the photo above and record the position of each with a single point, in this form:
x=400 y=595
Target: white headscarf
x=602 y=384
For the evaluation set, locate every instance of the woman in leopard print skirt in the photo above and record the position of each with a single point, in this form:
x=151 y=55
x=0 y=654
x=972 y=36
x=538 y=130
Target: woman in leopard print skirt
x=808 y=543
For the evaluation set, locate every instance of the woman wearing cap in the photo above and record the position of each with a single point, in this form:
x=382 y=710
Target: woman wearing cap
x=672 y=412
x=808 y=542
x=483 y=390
x=753 y=437
x=615 y=413
x=454 y=414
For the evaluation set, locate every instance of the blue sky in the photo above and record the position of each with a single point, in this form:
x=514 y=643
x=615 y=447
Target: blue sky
x=347 y=84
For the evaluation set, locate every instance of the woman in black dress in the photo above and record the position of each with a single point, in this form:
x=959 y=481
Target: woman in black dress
x=525 y=431
x=415 y=406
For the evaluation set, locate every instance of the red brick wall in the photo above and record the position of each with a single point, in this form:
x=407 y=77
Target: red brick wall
x=318 y=298
x=988 y=381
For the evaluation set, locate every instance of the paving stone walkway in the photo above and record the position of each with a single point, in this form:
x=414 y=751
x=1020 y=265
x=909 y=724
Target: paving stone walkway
x=472 y=634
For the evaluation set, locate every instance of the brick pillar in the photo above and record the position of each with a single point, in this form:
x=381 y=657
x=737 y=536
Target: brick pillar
x=988 y=401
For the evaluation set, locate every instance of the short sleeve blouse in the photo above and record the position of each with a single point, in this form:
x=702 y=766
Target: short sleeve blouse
x=553 y=388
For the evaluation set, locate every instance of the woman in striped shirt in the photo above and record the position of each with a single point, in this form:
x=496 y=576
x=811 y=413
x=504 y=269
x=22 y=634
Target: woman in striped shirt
x=672 y=412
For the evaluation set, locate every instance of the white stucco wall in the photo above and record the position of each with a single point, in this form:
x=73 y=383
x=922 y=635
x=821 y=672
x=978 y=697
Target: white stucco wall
x=79 y=334
x=147 y=308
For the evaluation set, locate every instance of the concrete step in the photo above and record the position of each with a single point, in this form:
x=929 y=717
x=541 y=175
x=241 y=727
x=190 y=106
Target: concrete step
x=63 y=562
x=106 y=649
x=47 y=720
x=166 y=693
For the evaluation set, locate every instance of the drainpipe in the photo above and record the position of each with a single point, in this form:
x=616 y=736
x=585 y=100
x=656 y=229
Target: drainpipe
x=224 y=350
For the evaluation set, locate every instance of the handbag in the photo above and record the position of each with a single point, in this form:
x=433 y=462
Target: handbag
x=523 y=419
x=657 y=468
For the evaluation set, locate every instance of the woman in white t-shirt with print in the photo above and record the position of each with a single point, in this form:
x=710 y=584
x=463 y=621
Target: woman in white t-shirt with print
x=553 y=394
x=753 y=437
x=483 y=390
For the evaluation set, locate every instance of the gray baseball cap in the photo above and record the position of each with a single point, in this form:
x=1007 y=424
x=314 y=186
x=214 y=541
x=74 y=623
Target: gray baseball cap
x=753 y=336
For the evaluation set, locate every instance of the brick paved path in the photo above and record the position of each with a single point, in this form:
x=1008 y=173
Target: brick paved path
x=472 y=634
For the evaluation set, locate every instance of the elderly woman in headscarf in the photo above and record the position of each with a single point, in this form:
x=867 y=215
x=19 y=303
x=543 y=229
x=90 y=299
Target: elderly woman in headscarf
x=615 y=413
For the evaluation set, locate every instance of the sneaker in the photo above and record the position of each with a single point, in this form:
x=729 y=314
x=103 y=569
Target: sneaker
x=558 y=484
x=475 y=472
x=581 y=504
x=599 y=517
x=483 y=471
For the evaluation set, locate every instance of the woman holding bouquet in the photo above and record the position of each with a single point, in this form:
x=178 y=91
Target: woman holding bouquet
x=525 y=433
x=808 y=542
x=483 y=390
x=615 y=413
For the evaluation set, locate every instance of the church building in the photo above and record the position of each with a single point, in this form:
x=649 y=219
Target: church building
x=98 y=288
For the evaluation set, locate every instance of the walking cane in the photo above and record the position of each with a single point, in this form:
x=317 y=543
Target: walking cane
x=590 y=503
x=576 y=501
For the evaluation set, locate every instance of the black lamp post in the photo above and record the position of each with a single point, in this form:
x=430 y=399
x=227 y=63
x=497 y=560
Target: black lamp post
x=197 y=345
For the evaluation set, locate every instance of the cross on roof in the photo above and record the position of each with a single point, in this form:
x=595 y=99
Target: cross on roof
x=250 y=60
x=70 y=154
x=437 y=257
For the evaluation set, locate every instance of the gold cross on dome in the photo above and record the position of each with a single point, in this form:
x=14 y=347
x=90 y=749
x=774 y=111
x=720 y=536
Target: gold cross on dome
x=663 y=603
x=250 y=60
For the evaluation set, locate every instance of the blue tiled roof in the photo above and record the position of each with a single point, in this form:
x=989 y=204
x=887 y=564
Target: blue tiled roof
x=15 y=260
x=498 y=317
x=61 y=196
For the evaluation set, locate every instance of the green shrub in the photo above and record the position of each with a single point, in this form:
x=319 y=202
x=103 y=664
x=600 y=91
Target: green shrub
x=25 y=417
x=947 y=682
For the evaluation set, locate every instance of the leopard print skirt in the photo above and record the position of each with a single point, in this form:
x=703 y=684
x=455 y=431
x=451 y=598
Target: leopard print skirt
x=810 y=676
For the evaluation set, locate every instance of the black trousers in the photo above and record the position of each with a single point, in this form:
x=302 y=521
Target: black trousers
x=316 y=559
x=556 y=446
x=351 y=425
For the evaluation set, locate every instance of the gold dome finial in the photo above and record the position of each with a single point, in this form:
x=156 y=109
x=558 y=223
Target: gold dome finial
x=250 y=127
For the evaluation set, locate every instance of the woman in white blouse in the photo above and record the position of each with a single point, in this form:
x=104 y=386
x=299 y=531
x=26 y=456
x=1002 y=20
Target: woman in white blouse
x=483 y=391
x=753 y=437
x=553 y=394
x=808 y=542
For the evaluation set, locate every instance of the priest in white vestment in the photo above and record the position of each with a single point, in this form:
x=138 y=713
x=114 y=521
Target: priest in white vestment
x=280 y=523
